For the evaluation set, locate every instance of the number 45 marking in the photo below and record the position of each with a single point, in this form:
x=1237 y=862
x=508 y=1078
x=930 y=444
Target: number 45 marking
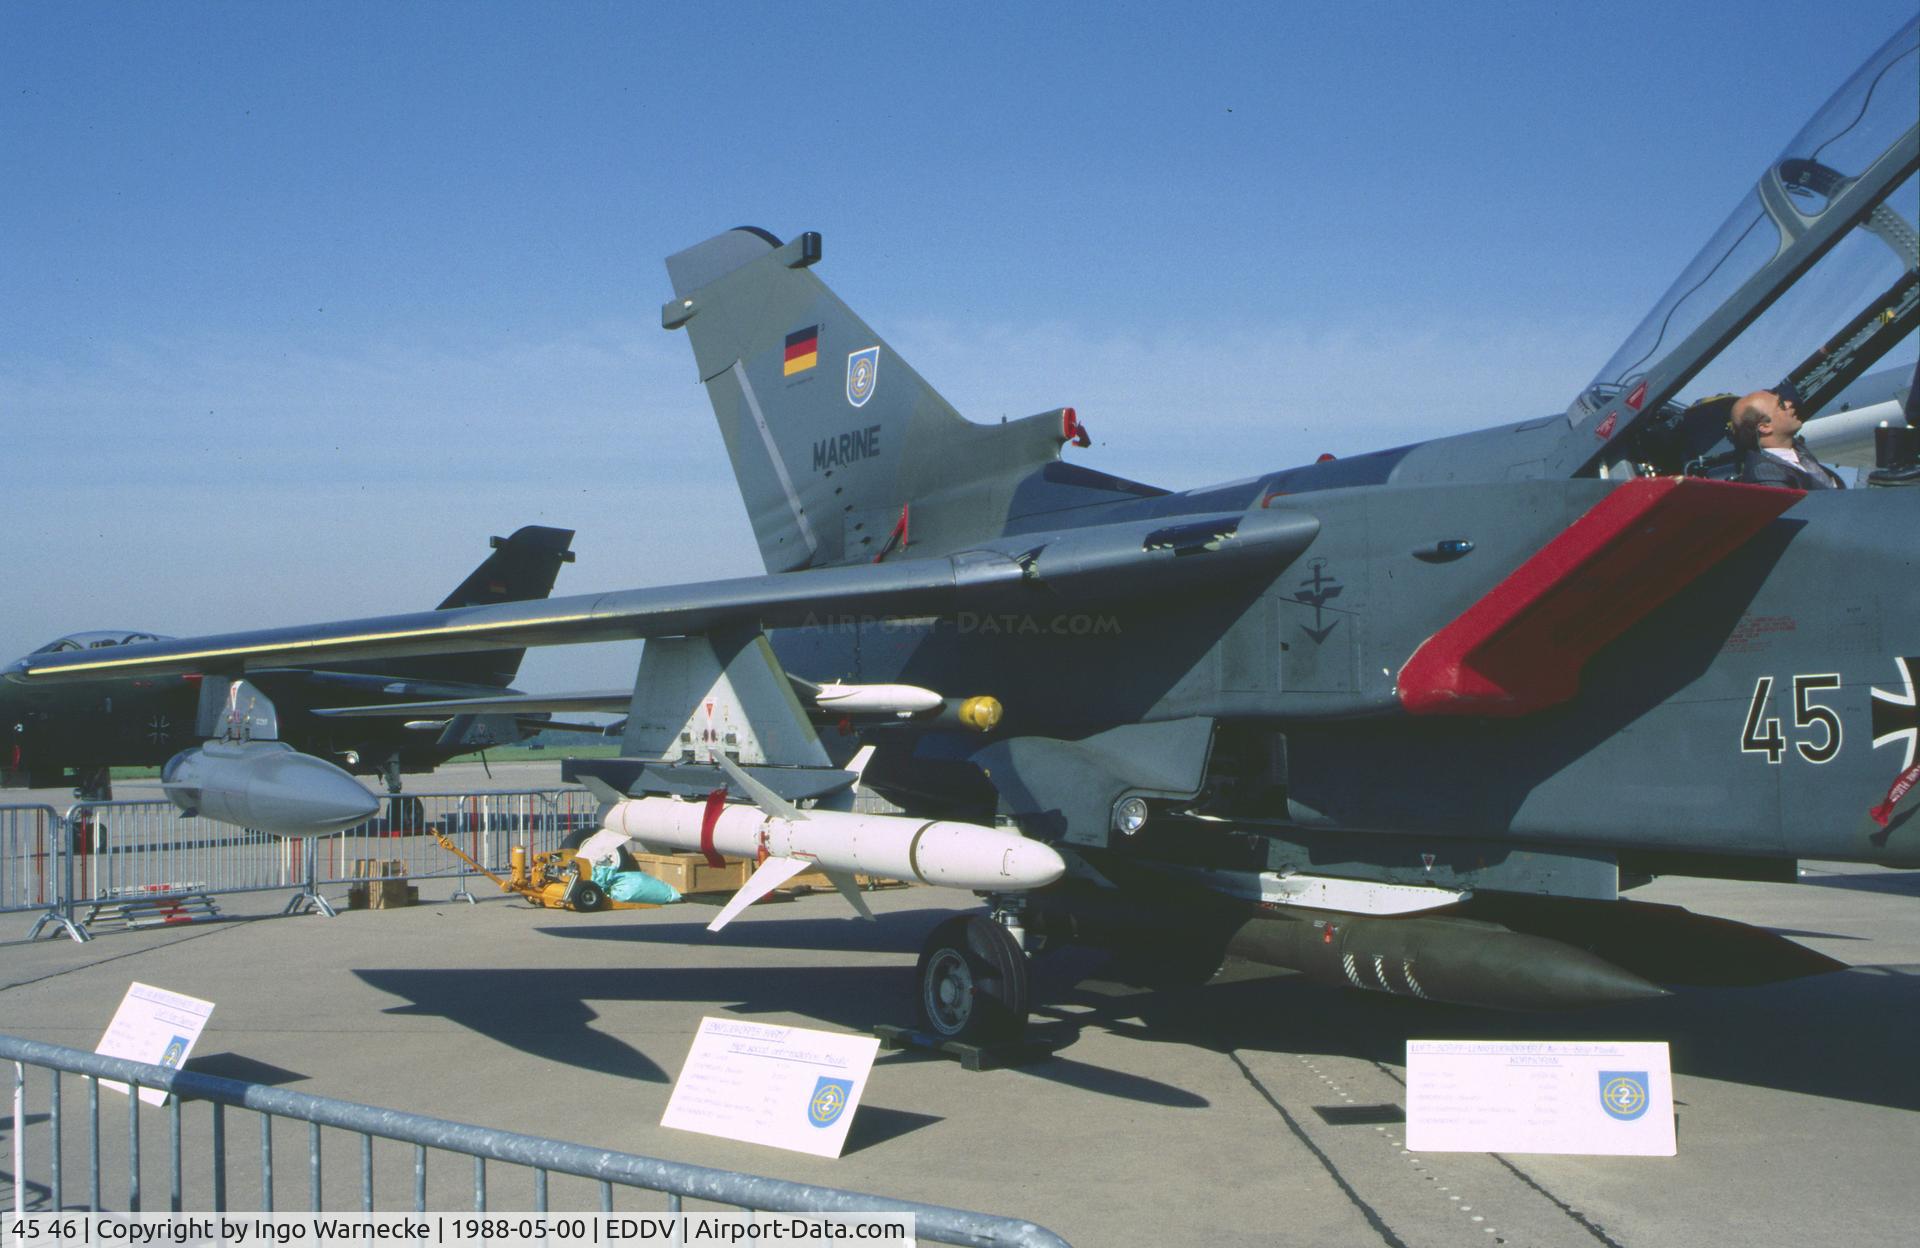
x=1761 y=735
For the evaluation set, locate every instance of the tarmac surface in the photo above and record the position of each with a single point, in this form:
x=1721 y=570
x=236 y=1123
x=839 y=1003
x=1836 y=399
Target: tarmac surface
x=1256 y=1109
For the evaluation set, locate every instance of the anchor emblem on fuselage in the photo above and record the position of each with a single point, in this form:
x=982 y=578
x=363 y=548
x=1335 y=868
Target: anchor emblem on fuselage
x=1316 y=591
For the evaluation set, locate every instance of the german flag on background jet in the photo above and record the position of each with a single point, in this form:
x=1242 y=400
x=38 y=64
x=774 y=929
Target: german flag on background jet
x=803 y=349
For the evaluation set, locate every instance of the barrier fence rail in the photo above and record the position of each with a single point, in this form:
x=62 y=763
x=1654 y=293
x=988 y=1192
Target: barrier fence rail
x=677 y=1181
x=33 y=863
x=116 y=856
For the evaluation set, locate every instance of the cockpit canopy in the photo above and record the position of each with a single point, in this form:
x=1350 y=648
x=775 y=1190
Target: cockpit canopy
x=99 y=639
x=1812 y=280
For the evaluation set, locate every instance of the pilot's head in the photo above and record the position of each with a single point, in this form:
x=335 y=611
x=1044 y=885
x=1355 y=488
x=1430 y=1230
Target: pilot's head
x=1765 y=418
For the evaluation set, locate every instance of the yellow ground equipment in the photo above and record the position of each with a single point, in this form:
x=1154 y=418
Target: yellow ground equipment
x=558 y=880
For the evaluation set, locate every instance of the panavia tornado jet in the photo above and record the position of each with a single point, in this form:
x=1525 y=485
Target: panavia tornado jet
x=1416 y=721
x=81 y=730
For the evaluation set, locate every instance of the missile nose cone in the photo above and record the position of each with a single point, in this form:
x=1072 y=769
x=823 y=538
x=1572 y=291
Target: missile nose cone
x=1032 y=864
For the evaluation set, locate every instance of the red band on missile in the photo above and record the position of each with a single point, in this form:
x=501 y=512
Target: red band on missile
x=1902 y=785
x=716 y=802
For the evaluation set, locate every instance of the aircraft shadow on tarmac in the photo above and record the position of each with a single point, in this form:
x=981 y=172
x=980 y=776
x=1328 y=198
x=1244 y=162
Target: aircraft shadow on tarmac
x=897 y=931
x=1845 y=1035
x=1842 y=1035
x=549 y=1014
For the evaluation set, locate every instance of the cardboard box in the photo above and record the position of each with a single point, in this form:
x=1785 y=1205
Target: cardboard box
x=687 y=874
x=816 y=881
x=385 y=886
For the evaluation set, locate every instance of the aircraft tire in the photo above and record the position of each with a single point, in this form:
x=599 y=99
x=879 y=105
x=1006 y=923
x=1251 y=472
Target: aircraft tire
x=972 y=982
x=578 y=837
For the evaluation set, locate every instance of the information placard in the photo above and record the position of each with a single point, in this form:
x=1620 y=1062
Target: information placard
x=1476 y=1096
x=789 y=1087
x=153 y=1025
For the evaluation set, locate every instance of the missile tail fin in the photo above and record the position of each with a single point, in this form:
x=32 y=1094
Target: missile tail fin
x=851 y=891
x=763 y=797
x=770 y=875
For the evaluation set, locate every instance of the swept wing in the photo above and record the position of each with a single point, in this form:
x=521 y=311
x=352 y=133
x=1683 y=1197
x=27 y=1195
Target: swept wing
x=1030 y=571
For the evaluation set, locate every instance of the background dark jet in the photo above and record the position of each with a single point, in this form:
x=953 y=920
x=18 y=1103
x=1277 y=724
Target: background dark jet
x=76 y=733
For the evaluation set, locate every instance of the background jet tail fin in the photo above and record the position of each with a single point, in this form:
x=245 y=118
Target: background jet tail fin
x=519 y=569
x=843 y=452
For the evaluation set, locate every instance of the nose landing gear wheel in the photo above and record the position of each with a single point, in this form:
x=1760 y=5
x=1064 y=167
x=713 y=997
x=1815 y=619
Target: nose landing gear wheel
x=972 y=979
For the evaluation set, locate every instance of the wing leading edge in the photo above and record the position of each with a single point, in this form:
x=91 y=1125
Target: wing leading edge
x=1028 y=571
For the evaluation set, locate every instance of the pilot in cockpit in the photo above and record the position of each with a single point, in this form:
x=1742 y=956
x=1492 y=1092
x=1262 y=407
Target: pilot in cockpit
x=1765 y=428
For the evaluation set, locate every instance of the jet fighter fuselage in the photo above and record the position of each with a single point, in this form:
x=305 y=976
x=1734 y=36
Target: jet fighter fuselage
x=1412 y=720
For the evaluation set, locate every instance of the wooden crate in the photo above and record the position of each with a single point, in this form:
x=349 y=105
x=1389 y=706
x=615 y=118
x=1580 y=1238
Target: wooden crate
x=378 y=892
x=688 y=874
x=382 y=895
x=816 y=881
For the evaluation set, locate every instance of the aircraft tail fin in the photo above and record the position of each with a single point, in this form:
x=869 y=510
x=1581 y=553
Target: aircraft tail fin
x=844 y=453
x=519 y=568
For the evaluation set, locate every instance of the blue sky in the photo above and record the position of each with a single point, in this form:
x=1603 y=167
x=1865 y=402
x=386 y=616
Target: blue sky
x=298 y=304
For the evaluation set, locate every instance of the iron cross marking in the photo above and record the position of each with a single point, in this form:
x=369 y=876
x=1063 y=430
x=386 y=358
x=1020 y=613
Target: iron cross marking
x=1896 y=711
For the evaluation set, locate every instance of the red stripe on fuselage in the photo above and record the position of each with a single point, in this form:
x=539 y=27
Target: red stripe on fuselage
x=1522 y=647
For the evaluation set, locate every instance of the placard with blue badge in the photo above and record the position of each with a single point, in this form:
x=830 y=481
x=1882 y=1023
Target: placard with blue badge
x=1595 y=1097
x=789 y=1087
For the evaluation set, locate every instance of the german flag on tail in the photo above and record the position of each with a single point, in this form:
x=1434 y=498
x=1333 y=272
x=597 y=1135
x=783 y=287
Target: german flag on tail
x=803 y=349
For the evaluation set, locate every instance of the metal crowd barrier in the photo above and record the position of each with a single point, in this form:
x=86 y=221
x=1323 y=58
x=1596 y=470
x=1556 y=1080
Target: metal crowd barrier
x=545 y=1158
x=122 y=855
x=484 y=825
x=34 y=858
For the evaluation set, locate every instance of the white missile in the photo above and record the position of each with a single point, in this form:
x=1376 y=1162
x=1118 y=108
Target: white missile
x=877 y=699
x=788 y=841
x=982 y=714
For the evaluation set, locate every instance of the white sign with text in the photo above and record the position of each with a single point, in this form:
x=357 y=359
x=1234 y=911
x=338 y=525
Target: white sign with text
x=153 y=1025
x=788 y=1087
x=1595 y=1097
